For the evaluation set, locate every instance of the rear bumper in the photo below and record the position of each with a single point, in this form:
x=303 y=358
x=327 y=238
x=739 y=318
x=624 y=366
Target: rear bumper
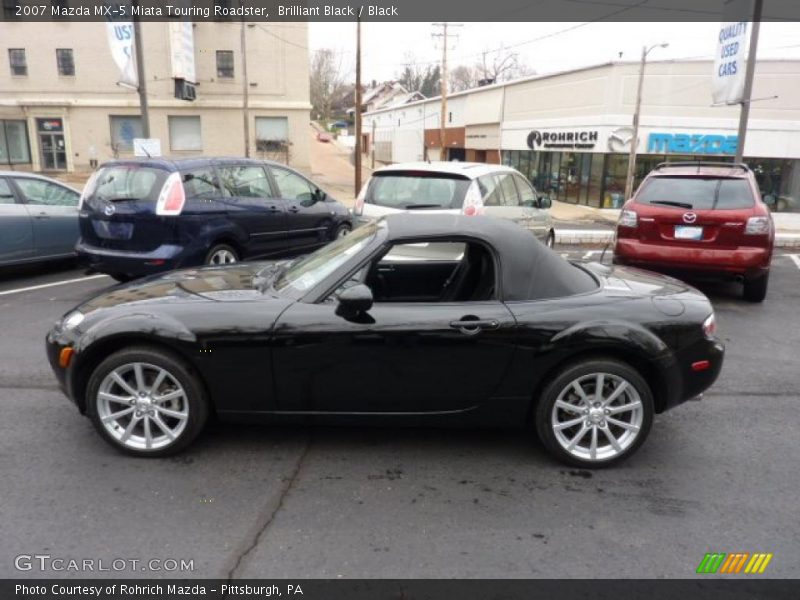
x=694 y=383
x=749 y=261
x=164 y=258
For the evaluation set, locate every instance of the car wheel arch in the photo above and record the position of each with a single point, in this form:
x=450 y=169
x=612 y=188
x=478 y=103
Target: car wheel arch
x=96 y=353
x=644 y=365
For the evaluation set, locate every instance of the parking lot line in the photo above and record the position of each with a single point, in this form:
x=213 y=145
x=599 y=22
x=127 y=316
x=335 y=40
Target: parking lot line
x=47 y=285
x=795 y=258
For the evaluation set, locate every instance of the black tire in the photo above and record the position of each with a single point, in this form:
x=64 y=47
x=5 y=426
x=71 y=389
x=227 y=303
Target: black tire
x=198 y=405
x=221 y=249
x=755 y=289
x=121 y=277
x=572 y=372
x=342 y=230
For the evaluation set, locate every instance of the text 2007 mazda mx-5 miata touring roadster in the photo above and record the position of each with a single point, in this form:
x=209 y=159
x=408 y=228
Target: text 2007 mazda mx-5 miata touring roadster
x=435 y=319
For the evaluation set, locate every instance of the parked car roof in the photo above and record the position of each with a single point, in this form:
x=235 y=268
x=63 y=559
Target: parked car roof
x=529 y=269
x=471 y=170
x=37 y=176
x=177 y=163
x=702 y=169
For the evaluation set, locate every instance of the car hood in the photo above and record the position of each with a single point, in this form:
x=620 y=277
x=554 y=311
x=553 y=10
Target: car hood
x=232 y=283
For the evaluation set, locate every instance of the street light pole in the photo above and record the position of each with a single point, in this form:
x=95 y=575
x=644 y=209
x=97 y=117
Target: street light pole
x=744 y=112
x=357 y=148
x=245 y=92
x=636 y=111
x=140 y=76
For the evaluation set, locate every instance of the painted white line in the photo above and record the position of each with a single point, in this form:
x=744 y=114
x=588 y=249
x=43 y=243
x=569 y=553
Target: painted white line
x=47 y=285
x=795 y=258
x=591 y=253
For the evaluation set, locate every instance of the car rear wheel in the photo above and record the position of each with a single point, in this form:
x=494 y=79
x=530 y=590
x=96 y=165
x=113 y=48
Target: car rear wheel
x=146 y=402
x=755 y=289
x=222 y=254
x=595 y=413
x=121 y=277
x=341 y=231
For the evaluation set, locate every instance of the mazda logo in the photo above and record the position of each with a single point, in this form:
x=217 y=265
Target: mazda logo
x=109 y=209
x=689 y=217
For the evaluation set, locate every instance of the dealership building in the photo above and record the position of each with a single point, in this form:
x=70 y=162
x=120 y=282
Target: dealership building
x=62 y=108
x=570 y=132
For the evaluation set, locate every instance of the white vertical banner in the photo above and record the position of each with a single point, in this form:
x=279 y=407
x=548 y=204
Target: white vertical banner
x=120 y=40
x=181 y=46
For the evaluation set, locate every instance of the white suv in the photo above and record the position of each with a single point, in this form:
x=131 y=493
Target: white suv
x=456 y=188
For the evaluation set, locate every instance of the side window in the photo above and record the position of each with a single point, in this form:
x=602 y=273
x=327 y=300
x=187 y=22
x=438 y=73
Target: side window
x=6 y=195
x=245 y=181
x=526 y=194
x=293 y=187
x=490 y=191
x=201 y=184
x=509 y=189
x=44 y=193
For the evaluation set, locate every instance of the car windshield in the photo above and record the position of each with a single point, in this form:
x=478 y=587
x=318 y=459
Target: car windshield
x=303 y=274
x=126 y=182
x=417 y=190
x=697 y=193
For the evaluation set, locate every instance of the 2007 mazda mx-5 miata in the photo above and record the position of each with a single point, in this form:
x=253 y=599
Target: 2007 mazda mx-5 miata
x=436 y=319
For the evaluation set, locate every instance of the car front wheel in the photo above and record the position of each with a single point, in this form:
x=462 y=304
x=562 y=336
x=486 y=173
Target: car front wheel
x=341 y=231
x=222 y=254
x=595 y=413
x=146 y=402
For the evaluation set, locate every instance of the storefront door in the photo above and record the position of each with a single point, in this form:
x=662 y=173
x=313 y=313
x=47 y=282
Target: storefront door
x=52 y=148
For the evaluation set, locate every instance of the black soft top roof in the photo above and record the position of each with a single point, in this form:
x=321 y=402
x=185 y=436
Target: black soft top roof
x=529 y=269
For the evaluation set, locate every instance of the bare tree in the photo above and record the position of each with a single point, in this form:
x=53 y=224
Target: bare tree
x=327 y=81
x=463 y=78
x=416 y=77
x=501 y=65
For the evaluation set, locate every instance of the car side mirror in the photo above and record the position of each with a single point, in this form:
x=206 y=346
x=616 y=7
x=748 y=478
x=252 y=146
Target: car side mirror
x=319 y=195
x=354 y=300
x=544 y=202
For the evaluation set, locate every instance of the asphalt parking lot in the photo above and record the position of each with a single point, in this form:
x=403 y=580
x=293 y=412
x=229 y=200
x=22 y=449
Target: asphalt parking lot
x=717 y=475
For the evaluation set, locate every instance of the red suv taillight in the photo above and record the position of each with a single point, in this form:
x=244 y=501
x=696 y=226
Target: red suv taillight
x=757 y=226
x=628 y=218
x=172 y=196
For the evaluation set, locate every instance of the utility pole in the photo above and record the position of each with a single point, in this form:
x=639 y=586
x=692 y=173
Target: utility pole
x=140 y=76
x=357 y=148
x=372 y=145
x=245 y=92
x=443 y=87
x=744 y=111
x=635 y=137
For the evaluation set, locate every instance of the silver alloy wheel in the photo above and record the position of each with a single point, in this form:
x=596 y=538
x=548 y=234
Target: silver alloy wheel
x=142 y=406
x=597 y=416
x=342 y=232
x=223 y=256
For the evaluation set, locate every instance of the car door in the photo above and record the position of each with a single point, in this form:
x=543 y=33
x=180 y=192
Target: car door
x=254 y=207
x=502 y=199
x=399 y=357
x=308 y=216
x=54 y=210
x=16 y=227
x=537 y=218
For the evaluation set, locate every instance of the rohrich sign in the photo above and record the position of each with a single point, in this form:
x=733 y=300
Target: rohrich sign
x=691 y=143
x=563 y=140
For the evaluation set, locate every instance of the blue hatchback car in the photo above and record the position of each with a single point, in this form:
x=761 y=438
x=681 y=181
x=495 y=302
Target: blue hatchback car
x=139 y=217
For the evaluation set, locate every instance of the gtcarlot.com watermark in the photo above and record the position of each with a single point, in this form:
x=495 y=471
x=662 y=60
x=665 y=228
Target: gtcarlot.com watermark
x=59 y=564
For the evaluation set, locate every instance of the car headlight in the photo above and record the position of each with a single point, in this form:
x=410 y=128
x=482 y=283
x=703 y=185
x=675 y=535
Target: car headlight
x=73 y=319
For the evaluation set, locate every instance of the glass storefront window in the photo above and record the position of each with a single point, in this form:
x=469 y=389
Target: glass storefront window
x=14 y=146
x=779 y=182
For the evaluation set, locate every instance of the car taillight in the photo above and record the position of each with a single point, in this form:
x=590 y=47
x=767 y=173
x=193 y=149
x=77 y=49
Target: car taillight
x=172 y=196
x=710 y=326
x=358 y=209
x=87 y=189
x=473 y=201
x=628 y=218
x=757 y=226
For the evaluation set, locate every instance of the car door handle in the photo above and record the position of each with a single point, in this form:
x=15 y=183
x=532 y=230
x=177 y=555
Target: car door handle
x=293 y=209
x=42 y=215
x=273 y=207
x=471 y=327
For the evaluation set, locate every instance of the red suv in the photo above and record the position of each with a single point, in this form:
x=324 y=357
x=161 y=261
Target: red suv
x=699 y=217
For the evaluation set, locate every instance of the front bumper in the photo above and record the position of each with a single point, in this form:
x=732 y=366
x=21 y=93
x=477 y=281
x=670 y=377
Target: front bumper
x=56 y=340
x=749 y=261
x=694 y=383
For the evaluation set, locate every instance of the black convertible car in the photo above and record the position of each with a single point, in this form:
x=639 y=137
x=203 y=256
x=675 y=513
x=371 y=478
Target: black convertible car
x=435 y=319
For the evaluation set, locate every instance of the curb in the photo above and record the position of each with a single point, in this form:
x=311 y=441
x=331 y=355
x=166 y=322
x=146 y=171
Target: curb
x=602 y=236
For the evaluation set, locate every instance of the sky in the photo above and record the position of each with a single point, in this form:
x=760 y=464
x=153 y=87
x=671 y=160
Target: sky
x=545 y=47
